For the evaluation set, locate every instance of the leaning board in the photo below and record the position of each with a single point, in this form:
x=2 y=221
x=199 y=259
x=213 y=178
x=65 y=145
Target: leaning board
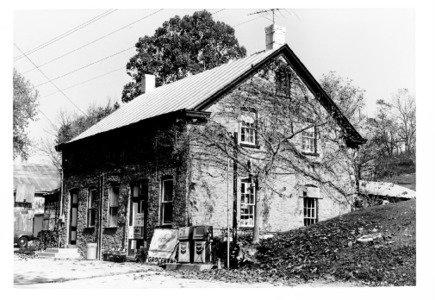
x=163 y=245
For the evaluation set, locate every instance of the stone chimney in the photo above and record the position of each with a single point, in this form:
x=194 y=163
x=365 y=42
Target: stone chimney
x=148 y=83
x=275 y=36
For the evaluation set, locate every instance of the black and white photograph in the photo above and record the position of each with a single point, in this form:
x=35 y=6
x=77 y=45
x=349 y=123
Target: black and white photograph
x=214 y=147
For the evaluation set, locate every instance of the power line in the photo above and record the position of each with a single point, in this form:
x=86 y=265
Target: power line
x=218 y=11
x=96 y=40
x=67 y=33
x=85 y=66
x=248 y=21
x=83 y=82
x=49 y=120
x=43 y=74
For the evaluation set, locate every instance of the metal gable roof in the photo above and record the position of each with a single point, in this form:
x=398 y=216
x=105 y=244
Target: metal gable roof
x=196 y=92
x=186 y=93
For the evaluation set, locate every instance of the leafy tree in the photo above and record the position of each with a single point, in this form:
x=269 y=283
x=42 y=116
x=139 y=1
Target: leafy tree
x=24 y=110
x=181 y=46
x=71 y=126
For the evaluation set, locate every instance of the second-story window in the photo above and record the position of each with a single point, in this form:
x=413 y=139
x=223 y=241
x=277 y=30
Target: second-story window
x=309 y=140
x=248 y=128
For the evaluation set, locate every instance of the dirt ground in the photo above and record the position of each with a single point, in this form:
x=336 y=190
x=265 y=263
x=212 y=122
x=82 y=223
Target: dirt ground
x=53 y=273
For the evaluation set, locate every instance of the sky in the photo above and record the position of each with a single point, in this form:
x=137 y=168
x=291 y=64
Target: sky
x=373 y=47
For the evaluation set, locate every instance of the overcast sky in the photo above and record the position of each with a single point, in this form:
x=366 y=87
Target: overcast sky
x=374 y=47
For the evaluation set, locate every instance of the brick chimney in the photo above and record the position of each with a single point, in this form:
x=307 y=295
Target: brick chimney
x=275 y=36
x=148 y=83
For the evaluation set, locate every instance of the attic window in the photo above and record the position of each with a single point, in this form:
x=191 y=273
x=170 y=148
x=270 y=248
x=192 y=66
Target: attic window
x=283 y=82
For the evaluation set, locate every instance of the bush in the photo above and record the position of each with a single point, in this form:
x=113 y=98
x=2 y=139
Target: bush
x=115 y=256
x=47 y=239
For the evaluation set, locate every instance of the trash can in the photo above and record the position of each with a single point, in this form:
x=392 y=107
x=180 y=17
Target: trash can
x=202 y=238
x=91 y=251
x=185 y=253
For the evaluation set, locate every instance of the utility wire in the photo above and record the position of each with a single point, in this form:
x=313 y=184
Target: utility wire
x=218 y=11
x=43 y=74
x=86 y=66
x=95 y=40
x=49 y=120
x=248 y=21
x=83 y=82
x=67 y=33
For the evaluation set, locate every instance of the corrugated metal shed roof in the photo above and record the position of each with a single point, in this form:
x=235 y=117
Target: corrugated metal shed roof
x=43 y=177
x=185 y=93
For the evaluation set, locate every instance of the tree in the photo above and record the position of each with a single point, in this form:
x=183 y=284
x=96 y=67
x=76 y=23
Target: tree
x=71 y=126
x=404 y=110
x=24 y=110
x=181 y=46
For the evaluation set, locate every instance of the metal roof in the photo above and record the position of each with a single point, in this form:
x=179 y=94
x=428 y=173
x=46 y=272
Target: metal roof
x=386 y=189
x=43 y=177
x=196 y=92
x=185 y=93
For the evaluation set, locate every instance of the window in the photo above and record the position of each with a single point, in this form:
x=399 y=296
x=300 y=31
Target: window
x=112 y=218
x=167 y=201
x=283 y=82
x=92 y=210
x=247 y=203
x=248 y=129
x=309 y=140
x=310 y=211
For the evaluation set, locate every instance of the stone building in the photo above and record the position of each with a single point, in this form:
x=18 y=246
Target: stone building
x=140 y=168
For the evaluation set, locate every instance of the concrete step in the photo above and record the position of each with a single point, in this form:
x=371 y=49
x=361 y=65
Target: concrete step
x=61 y=253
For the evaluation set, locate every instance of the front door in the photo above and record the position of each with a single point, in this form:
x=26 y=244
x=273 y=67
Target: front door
x=137 y=217
x=73 y=218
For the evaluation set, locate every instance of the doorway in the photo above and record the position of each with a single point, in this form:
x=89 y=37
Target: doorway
x=73 y=218
x=137 y=217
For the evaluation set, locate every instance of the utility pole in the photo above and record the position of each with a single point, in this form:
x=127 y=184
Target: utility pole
x=228 y=215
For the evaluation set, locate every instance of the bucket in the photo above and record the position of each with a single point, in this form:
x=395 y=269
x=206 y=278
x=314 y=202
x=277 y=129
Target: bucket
x=91 y=252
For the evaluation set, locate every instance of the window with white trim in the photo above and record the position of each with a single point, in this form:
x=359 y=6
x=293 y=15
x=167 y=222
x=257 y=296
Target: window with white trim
x=92 y=209
x=247 y=203
x=309 y=140
x=112 y=213
x=310 y=211
x=166 y=216
x=248 y=128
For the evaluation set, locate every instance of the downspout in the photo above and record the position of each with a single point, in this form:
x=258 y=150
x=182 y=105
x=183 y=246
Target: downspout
x=61 y=209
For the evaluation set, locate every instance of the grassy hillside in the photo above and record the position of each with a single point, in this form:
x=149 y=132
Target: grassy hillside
x=405 y=180
x=328 y=252
x=330 y=248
